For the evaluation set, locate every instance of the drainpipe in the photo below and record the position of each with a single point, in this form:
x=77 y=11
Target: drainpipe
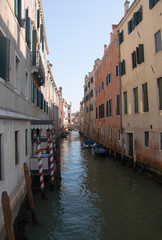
x=121 y=123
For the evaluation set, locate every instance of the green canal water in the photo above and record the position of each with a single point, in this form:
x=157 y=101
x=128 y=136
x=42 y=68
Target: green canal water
x=99 y=199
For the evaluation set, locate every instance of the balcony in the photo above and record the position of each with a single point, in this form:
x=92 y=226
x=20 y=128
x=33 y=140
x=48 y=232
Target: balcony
x=37 y=68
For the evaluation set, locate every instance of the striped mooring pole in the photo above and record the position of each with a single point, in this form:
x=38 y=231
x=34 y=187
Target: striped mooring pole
x=48 y=138
x=54 y=142
x=51 y=164
x=40 y=168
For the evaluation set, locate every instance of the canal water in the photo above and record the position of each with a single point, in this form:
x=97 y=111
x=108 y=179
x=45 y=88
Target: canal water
x=99 y=199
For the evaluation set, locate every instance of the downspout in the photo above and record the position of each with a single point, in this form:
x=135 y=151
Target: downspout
x=121 y=122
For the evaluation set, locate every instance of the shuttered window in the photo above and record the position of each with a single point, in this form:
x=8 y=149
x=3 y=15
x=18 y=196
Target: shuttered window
x=41 y=32
x=16 y=148
x=91 y=79
x=38 y=18
x=160 y=140
x=107 y=80
x=125 y=103
x=118 y=105
x=122 y=68
x=152 y=3
x=110 y=107
x=137 y=18
x=140 y=53
x=160 y=92
x=134 y=60
x=107 y=108
x=33 y=92
x=18 y=10
x=146 y=139
x=145 y=98
x=4 y=57
x=96 y=113
x=135 y=93
x=117 y=70
x=28 y=30
x=121 y=37
x=158 y=43
x=34 y=40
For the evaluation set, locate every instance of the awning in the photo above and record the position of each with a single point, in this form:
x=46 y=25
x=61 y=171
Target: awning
x=41 y=124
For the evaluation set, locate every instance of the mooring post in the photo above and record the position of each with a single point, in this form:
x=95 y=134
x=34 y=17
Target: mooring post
x=30 y=194
x=7 y=216
x=40 y=169
x=51 y=166
x=58 y=163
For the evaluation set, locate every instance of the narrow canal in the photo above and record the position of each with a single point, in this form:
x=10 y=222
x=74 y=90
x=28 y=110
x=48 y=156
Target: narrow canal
x=99 y=199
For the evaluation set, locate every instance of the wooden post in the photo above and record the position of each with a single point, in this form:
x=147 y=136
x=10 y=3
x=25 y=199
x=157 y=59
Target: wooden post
x=7 y=216
x=30 y=194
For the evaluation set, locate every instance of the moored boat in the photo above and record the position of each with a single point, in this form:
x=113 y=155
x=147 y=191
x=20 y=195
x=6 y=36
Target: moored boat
x=88 y=143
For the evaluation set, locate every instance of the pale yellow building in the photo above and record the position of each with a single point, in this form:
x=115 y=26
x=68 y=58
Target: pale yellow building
x=140 y=36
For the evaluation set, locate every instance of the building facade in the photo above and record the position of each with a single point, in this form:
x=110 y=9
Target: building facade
x=142 y=82
x=27 y=92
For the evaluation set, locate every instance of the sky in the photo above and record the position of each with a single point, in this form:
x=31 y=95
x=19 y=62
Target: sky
x=76 y=32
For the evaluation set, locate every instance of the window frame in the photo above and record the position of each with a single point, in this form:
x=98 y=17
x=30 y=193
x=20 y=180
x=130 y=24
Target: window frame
x=125 y=102
x=160 y=141
x=159 y=93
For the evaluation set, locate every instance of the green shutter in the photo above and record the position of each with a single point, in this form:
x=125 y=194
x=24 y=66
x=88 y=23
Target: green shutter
x=129 y=27
x=41 y=32
x=4 y=58
x=38 y=18
x=125 y=102
x=141 y=12
x=145 y=98
x=33 y=92
x=107 y=108
x=136 y=19
x=28 y=30
x=41 y=100
x=141 y=52
x=43 y=43
x=160 y=93
x=118 y=105
x=151 y=3
x=34 y=42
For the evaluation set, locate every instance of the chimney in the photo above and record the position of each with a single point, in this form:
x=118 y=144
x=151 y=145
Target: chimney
x=105 y=47
x=126 y=6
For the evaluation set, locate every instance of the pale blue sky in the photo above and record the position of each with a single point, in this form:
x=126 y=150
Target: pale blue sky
x=76 y=33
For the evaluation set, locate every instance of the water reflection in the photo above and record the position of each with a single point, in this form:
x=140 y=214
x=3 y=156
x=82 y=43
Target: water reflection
x=99 y=200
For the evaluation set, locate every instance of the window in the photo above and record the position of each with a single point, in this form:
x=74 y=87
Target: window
x=16 y=148
x=107 y=80
x=88 y=84
x=152 y=3
x=140 y=53
x=122 y=68
x=0 y=156
x=145 y=97
x=26 y=142
x=160 y=140
x=125 y=103
x=135 y=94
x=117 y=43
x=18 y=10
x=137 y=18
x=17 y=73
x=91 y=79
x=118 y=105
x=146 y=138
x=160 y=92
x=5 y=57
x=101 y=111
x=96 y=112
x=109 y=77
x=27 y=86
x=33 y=93
x=121 y=37
x=38 y=18
x=158 y=44
x=117 y=70
x=134 y=60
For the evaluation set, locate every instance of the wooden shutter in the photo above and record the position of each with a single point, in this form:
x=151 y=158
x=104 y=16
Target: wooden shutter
x=4 y=57
x=41 y=32
x=145 y=98
x=160 y=93
x=151 y=3
x=34 y=42
x=38 y=18
x=129 y=27
x=117 y=104
x=28 y=30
